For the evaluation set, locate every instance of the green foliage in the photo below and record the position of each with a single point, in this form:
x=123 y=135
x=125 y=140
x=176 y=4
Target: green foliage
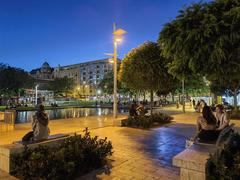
x=62 y=85
x=107 y=84
x=74 y=157
x=13 y=80
x=143 y=68
x=225 y=163
x=204 y=39
x=146 y=121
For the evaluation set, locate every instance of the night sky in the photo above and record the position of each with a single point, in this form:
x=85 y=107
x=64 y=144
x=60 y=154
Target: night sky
x=72 y=31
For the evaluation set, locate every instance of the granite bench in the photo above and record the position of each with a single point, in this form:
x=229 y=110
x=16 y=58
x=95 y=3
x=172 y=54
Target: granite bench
x=6 y=151
x=192 y=161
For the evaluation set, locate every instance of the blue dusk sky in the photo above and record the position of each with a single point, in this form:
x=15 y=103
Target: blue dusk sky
x=72 y=31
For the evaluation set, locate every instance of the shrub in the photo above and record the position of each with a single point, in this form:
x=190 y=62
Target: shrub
x=73 y=157
x=146 y=121
x=225 y=163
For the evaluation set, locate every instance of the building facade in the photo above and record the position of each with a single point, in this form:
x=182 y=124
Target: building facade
x=43 y=73
x=43 y=76
x=87 y=75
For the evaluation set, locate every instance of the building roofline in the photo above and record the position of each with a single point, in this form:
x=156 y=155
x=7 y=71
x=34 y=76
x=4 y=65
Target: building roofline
x=86 y=62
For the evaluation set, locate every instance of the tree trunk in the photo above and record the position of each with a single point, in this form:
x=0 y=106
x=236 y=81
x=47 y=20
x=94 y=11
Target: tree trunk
x=214 y=99
x=173 y=97
x=235 y=99
x=144 y=95
x=151 y=105
x=135 y=97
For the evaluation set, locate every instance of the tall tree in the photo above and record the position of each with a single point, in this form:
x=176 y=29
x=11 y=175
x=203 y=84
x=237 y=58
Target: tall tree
x=205 y=39
x=13 y=80
x=107 y=85
x=143 y=68
x=63 y=85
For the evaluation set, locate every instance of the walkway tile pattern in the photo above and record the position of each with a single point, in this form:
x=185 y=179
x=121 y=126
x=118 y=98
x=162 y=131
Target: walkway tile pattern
x=144 y=154
x=138 y=154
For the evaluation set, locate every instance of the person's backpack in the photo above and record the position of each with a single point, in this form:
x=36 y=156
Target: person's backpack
x=28 y=137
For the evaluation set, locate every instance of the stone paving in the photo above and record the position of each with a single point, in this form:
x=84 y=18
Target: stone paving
x=144 y=154
x=138 y=154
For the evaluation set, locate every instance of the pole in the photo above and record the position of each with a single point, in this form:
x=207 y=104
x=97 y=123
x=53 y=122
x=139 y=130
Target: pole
x=36 y=94
x=115 y=76
x=183 y=96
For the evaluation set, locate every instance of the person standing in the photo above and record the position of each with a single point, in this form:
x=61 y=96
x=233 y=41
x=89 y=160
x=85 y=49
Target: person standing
x=194 y=103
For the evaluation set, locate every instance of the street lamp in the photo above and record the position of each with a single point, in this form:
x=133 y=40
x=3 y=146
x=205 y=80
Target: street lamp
x=208 y=83
x=117 y=37
x=183 y=95
x=36 y=88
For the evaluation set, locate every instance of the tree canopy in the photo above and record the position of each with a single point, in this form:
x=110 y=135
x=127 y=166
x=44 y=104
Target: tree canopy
x=143 y=68
x=12 y=80
x=205 y=39
x=63 y=85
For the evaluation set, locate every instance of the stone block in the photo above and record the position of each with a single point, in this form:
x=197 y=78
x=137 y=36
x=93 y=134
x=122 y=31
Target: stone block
x=187 y=174
x=6 y=151
x=192 y=161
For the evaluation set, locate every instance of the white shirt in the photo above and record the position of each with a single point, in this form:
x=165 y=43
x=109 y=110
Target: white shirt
x=222 y=119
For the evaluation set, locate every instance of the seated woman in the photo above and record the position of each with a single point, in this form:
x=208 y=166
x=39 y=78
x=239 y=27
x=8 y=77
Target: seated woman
x=40 y=125
x=221 y=116
x=207 y=125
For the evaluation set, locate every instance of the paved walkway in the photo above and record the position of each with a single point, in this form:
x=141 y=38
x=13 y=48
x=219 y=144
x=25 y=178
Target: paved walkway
x=60 y=126
x=138 y=154
x=145 y=154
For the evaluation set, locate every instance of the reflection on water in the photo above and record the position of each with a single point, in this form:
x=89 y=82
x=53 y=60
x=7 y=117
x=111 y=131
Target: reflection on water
x=26 y=116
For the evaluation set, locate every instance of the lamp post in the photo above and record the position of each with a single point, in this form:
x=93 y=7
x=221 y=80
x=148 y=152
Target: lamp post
x=117 y=37
x=208 y=85
x=36 y=88
x=183 y=95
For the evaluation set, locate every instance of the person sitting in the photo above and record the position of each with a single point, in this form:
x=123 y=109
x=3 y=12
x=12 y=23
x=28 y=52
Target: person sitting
x=221 y=116
x=141 y=110
x=202 y=104
x=206 y=125
x=197 y=107
x=40 y=127
x=132 y=110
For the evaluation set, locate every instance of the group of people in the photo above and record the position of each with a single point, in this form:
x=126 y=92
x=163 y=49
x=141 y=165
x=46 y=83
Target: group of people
x=137 y=109
x=210 y=123
x=40 y=130
x=199 y=106
x=207 y=122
